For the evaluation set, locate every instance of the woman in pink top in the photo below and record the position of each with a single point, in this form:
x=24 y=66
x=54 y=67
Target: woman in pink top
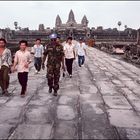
x=22 y=61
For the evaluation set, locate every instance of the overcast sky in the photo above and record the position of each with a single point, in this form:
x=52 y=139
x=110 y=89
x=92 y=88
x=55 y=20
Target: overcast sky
x=102 y=13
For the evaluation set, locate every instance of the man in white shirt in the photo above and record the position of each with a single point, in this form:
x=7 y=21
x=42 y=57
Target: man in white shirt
x=81 y=52
x=22 y=60
x=38 y=51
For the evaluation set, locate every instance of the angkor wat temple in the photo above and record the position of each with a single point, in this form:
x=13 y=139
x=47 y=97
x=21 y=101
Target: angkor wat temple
x=70 y=28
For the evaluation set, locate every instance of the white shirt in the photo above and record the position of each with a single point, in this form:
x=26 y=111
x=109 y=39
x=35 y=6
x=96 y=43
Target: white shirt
x=69 y=50
x=81 y=49
x=38 y=50
x=21 y=58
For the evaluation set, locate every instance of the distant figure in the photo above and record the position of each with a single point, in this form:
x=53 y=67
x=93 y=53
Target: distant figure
x=55 y=54
x=38 y=51
x=5 y=66
x=22 y=60
x=58 y=40
x=81 y=52
x=69 y=50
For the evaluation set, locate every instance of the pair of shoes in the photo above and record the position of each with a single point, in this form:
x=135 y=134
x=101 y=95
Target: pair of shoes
x=55 y=93
x=5 y=92
x=23 y=91
x=50 y=90
x=36 y=72
x=63 y=74
x=22 y=95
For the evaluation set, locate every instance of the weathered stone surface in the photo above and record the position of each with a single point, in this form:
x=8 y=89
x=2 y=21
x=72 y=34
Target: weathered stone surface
x=9 y=114
x=129 y=133
x=33 y=132
x=95 y=123
x=124 y=118
x=91 y=98
x=37 y=115
x=117 y=82
x=65 y=112
x=118 y=102
x=107 y=88
x=5 y=130
x=66 y=130
x=64 y=100
x=3 y=100
x=17 y=101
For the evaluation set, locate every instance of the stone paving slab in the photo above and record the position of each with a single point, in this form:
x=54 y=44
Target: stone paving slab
x=9 y=114
x=96 y=127
x=118 y=102
x=5 y=130
x=124 y=118
x=129 y=133
x=66 y=130
x=25 y=131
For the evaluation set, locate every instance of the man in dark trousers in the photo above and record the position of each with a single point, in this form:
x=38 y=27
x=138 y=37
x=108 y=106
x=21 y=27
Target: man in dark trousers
x=55 y=53
x=5 y=65
x=22 y=60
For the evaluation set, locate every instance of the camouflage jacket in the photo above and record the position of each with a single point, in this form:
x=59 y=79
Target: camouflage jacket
x=55 y=53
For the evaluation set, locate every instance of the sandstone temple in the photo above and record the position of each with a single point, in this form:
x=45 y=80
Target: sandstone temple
x=70 y=28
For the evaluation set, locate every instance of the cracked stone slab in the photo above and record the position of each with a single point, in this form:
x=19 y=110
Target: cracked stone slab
x=90 y=98
x=117 y=82
x=106 y=88
x=65 y=100
x=72 y=91
x=128 y=93
x=90 y=88
x=65 y=112
x=37 y=115
x=129 y=133
x=26 y=131
x=137 y=90
x=9 y=114
x=96 y=108
x=131 y=84
x=3 y=100
x=95 y=123
x=124 y=78
x=66 y=130
x=17 y=101
x=5 y=130
x=124 y=118
x=118 y=102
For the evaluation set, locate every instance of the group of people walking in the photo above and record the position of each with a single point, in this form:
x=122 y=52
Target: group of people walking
x=57 y=55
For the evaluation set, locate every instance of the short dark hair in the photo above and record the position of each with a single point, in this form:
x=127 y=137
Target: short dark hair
x=69 y=38
x=38 y=39
x=2 y=39
x=58 y=37
x=23 y=41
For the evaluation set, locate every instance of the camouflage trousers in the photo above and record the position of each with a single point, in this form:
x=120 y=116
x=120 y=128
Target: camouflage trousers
x=53 y=75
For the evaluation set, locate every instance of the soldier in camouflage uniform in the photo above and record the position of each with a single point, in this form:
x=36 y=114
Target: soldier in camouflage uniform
x=55 y=54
